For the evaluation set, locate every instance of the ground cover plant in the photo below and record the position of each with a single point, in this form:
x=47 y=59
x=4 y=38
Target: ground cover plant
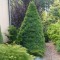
x=14 y=52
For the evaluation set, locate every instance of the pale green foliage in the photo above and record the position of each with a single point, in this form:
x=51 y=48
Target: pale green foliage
x=53 y=15
x=44 y=19
x=14 y=52
x=54 y=32
x=45 y=24
x=44 y=16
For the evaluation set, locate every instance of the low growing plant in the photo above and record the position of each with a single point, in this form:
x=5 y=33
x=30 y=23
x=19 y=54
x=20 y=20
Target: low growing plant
x=12 y=33
x=14 y=52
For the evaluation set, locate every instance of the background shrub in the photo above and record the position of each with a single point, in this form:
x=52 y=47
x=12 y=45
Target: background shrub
x=12 y=33
x=54 y=32
x=58 y=45
x=51 y=17
x=1 y=38
x=14 y=52
x=31 y=32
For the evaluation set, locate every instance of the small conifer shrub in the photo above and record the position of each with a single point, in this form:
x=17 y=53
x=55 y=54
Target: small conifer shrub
x=12 y=34
x=31 y=32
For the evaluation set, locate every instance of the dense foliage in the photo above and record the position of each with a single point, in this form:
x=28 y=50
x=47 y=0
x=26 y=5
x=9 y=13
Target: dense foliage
x=54 y=32
x=31 y=32
x=54 y=13
x=12 y=34
x=58 y=45
x=1 y=38
x=51 y=17
x=13 y=52
x=45 y=25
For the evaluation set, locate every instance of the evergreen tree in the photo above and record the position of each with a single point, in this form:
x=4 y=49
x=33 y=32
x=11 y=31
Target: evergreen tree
x=0 y=36
x=31 y=32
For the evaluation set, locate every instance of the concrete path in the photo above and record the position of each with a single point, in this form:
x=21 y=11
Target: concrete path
x=51 y=53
